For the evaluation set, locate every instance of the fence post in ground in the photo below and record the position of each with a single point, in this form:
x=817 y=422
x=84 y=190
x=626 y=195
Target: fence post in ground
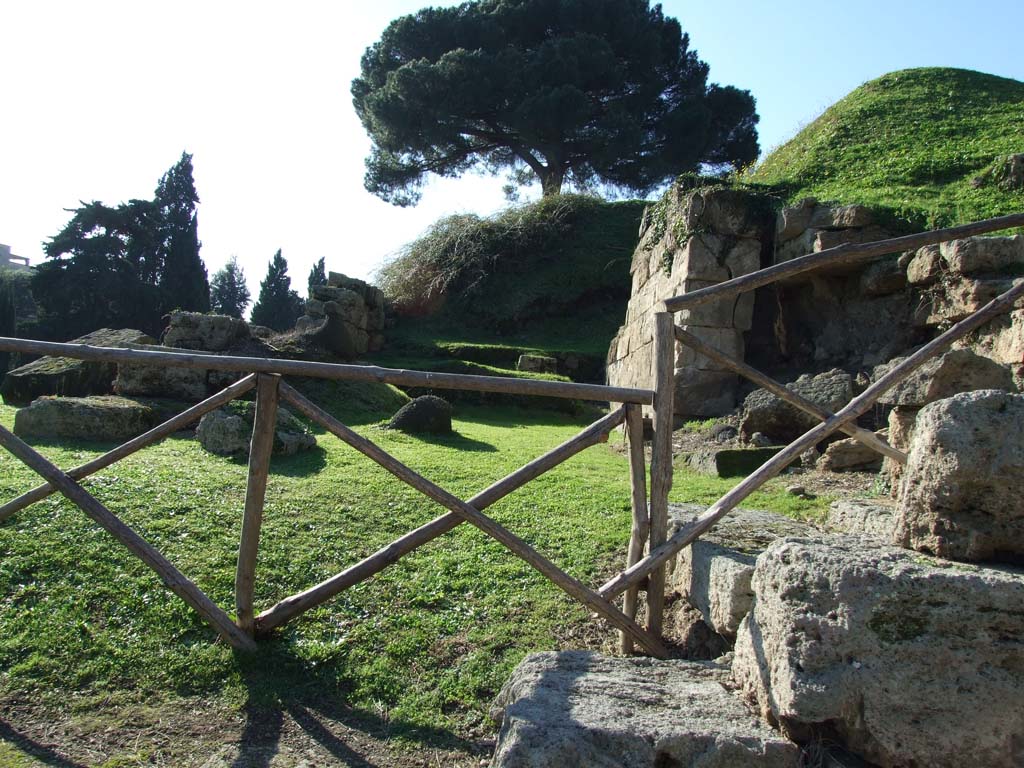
x=259 y=467
x=641 y=521
x=664 y=363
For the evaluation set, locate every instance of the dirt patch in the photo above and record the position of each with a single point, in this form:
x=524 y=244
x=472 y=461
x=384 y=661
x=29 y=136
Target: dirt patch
x=198 y=733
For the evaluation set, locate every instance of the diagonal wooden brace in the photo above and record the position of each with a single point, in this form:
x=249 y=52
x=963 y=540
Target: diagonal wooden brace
x=472 y=515
x=861 y=435
x=175 y=580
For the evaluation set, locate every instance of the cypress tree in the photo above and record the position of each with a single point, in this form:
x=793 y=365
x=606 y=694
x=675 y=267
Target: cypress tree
x=229 y=295
x=317 y=276
x=278 y=306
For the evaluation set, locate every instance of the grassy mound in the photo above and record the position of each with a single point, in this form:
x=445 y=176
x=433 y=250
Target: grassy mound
x=929 y=146
x=517 y=270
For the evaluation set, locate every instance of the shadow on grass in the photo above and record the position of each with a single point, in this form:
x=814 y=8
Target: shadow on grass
x=282 y=687
x=456 y=441
x=297 y=465
x=34 y=749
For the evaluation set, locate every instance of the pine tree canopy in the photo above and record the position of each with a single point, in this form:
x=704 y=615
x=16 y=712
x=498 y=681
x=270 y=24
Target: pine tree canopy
x=594 y=91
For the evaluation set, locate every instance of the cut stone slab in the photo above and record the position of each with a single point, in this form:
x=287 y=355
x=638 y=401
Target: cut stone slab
x=66 y=376
x=713 y=574
x=962 y=494
x=161 y=380
x=98 y=417
x=703 y=394
x=910 y=661
x=959 y=370
x=863 y=516
x=581 y=710
x=983 y=254
x=537 y=364
x=730 y=462
x=228 y=431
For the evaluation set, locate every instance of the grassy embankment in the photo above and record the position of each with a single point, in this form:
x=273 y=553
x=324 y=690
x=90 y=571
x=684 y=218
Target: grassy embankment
x=420 y=649
x=925 y=146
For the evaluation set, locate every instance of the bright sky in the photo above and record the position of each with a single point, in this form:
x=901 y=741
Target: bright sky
x=99 y=99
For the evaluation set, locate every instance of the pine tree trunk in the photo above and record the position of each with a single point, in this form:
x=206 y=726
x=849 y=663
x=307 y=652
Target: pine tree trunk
x=551 y=181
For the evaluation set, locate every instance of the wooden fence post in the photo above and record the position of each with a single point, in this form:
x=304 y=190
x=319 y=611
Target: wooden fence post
x=664 y=364
x=264 y=426
x=641 y=521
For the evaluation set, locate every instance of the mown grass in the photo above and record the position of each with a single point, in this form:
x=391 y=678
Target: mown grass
x=424 y=646
x=921 y=145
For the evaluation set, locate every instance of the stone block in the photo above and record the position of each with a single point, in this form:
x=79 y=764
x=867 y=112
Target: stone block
x=731 y=312
x=959 y=370
x=882 y=278
x=850 y=454
x=537 y=364
x=701 y=258
x=713 y=574
x=926 y=267
x=161 y=381
x=963 y=492
x=194 y=330
x=730 y=462
x=792 y=221
x=579 y=709
x=726 y=340
x=764 y=412
x=67 y=376
x=228 y=431
x=908 y=661
x=702 y=394
x=98 y=417
x=975 y=255
x=871 y=517
x=959 y=298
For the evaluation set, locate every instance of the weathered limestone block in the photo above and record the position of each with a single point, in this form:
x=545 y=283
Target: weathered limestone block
x=973 y=255
x=98 y=417
x=702 y=394
x=728 y=341
x=909 y=661
x=963 y=493
x=713 y=574
x=732 y=312
x=66 y=376
x=194 y=330
x=882 y=278
x=161 y=381
x=1003 y=339
x=956 y=299
x=764 y=412
x=926 y=267
x=721 y=211
x=730 y=462
x=227 y=431
x=578 y=709
x=901 y=431
x=850 y=454
x=959 y=370
x=863 y=516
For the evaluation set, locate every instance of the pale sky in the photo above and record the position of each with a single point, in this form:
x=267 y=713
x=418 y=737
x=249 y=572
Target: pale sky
x=98 y=99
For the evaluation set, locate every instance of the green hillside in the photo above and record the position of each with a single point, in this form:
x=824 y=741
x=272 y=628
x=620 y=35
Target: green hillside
x=928 y=145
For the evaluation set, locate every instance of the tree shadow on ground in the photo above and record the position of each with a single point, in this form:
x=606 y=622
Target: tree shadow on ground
x=34 y=749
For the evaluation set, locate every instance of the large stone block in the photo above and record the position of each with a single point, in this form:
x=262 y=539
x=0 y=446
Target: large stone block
x=161 y=381
x=66 y=376
x=764 y=412
x=730 y=462
x=728 y=341
x=99 y=417
x=194 y=330
x=974 y=255
x=713 y=574
x=959 y=370
x=702 y=394
x=872 y=517
x=723 y=211
x=909 y=661
x=963 y=493
x=730 y=312
x=956 y=299
x=582 y=710
x=228 y=431
x=849 y=454
x=926 y=267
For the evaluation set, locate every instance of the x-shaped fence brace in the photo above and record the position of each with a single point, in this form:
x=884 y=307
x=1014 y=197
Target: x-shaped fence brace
x=270 y=388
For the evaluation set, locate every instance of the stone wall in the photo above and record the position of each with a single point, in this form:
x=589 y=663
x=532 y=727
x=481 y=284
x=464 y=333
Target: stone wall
x=345 y=316
x=852 y=317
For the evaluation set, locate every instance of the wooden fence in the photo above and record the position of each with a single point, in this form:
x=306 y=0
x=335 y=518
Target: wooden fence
x=649 y=518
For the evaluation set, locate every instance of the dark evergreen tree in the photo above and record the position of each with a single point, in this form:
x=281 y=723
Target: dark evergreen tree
x=317 y=276
x=594 y=91
x=183 y=279
x=229 y=295
x=278 y=306
x=8 y=317
x=124 y=266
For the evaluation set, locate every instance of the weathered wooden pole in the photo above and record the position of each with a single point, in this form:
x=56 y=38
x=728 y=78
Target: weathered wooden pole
x=263 y=428
x=663 y=363
x=641 y=520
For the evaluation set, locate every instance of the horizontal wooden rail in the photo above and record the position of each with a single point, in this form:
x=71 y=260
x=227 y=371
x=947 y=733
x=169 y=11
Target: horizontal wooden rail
x=855 y=408
x=848 y=253
x=340 y=371
x=291 y=606
x=175 y=580
x=861 y=435
x=496 y=531
x=169 y=427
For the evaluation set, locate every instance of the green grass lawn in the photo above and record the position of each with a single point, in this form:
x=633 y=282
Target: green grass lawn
x=425 y=645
